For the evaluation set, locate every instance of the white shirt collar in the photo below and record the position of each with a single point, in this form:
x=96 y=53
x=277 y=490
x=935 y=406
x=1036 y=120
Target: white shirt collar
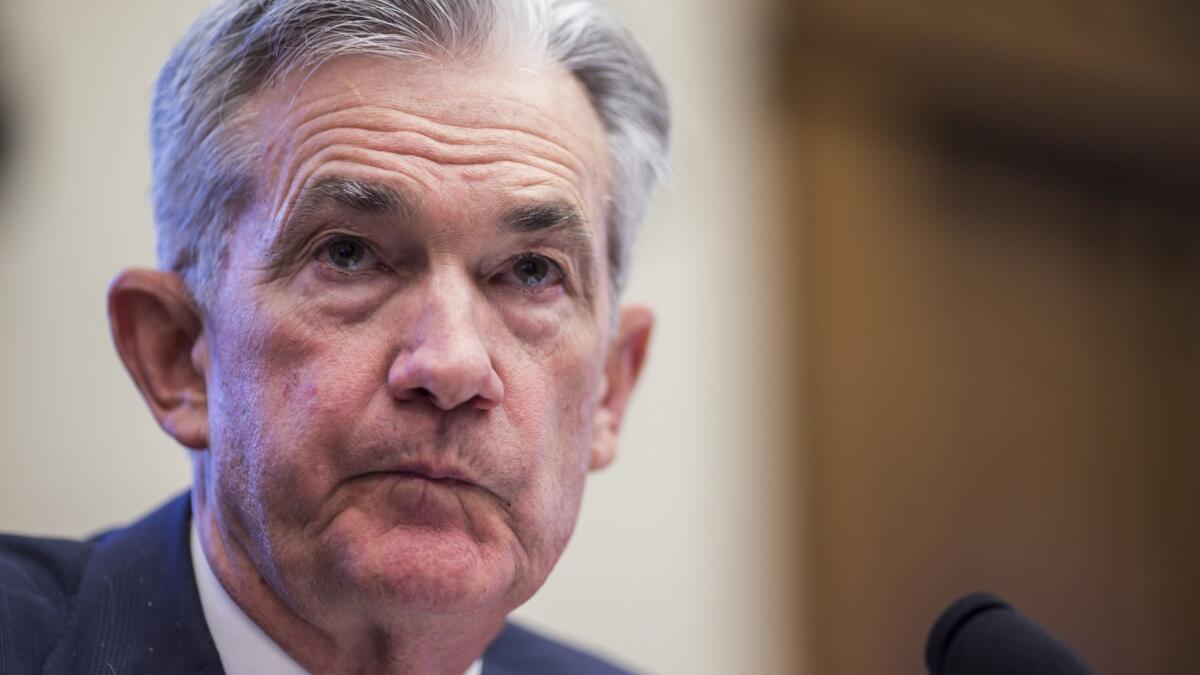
x=243 y=647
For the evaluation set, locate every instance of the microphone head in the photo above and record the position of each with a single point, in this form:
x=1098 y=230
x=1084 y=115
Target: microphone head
x=981 y=634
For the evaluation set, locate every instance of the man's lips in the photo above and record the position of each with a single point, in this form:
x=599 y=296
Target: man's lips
x=445 y=476
x=439 y=474
x=450 y=482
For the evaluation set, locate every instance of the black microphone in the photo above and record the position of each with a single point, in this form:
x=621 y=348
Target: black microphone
x=981 y=634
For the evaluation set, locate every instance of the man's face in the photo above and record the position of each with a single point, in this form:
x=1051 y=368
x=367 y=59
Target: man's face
x=406 y=356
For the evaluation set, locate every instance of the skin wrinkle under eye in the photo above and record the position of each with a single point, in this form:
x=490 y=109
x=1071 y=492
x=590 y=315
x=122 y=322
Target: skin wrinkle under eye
x=537 y=328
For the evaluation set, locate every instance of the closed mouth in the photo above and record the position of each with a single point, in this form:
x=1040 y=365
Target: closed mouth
x=450 y=482
x=442 y=476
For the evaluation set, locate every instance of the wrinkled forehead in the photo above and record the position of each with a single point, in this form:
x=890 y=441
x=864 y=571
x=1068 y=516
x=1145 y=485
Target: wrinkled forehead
x=449 y=85
x=500 y=114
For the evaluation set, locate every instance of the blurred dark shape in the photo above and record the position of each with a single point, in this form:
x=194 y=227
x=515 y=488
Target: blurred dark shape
x=981 y=634
x=1080 y=168
x=7 y=121
x=5 y=134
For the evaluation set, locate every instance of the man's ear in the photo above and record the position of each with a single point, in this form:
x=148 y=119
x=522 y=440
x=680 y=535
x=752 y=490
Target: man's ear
x=626 y=355
x=158 y=332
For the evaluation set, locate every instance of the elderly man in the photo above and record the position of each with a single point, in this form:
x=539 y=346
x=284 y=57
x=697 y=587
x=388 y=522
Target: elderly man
x=391 y=236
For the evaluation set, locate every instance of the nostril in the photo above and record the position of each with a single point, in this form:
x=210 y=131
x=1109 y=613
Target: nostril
x=419 y=394
x=483 y=402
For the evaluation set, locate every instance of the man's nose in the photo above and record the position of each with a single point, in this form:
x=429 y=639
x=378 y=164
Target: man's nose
x=445 y=361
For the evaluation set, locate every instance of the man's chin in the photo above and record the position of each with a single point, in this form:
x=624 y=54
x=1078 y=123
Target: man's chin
x=417 y=569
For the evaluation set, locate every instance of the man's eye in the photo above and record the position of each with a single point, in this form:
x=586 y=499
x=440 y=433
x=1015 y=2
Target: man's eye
x=346 y=253
x=535 y=272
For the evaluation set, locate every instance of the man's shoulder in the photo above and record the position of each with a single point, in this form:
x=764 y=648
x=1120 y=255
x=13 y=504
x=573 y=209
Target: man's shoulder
x=520 y=650
x=39 y=578
x=123 y=601
x=41 y=565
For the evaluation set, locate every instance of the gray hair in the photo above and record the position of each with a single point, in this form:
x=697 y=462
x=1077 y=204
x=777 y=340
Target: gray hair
x=202 y=170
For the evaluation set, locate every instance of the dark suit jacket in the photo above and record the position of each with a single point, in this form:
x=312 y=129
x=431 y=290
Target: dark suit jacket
x=126 y=602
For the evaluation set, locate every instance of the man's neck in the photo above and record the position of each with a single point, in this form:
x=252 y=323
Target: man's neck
x=433 y=647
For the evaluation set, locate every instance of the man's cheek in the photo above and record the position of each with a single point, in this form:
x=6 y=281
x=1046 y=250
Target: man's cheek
x=288 y=412
x=309 y=412
x=308 y=369
x=581 y=380
x=569 y=414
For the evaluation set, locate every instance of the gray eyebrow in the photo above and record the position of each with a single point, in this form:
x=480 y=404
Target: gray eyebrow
x=539 y=217
x=356 y=195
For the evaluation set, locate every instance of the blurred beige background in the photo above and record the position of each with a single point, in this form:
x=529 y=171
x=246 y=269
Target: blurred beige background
x=671 y=570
